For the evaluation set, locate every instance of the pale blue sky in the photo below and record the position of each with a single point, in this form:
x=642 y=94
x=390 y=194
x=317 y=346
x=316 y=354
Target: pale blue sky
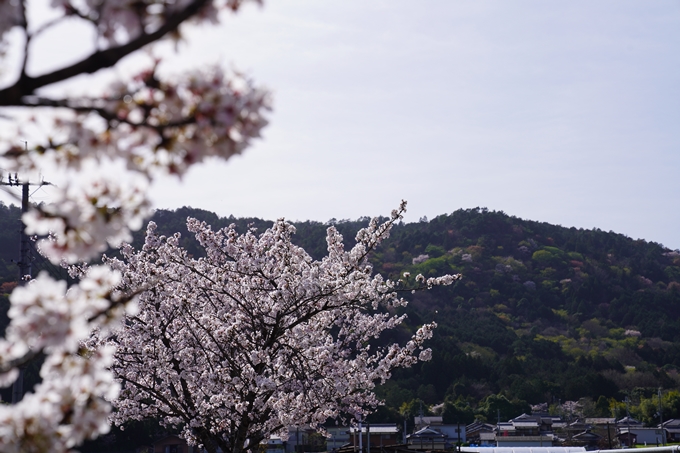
x=564 y=111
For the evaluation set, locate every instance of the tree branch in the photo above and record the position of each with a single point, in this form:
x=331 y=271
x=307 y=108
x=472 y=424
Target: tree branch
x=110 y=117
x=24 y=25
x=26 y=85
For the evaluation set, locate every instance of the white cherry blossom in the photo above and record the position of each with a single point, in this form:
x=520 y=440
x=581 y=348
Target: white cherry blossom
x=256 y=336
x=72 y=402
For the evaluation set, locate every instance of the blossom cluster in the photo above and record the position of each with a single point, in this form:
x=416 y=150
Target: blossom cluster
x=156 y=125
x=72 y=403
x=151 y=126
x=256 y=336
x=88 y=215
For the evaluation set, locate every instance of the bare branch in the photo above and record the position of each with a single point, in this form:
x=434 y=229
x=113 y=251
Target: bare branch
x=24 y=25
x=110 y=117
x=26 y=85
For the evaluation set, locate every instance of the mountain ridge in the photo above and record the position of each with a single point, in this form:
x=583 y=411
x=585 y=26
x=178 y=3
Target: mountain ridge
x=543 y=313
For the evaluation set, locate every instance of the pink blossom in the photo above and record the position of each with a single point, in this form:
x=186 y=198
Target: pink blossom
x=257 y=336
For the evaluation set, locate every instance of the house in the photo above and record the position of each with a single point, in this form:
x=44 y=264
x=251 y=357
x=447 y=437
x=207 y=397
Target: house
x=587 y=439
x=631 y=431
x=374 y=436
x=454 y=432
x=338 y=436
x=421 y=421
x=601 y=421
x=479 y=433
x=604 y=427
x=534 y=423
x=274 y=445
x=626 y=439
x=525 y=431
x=645 y=436
x=568 y=431
x=672 y=428
x=171 y=444
x=427 y=439
x=629 y=422
x=576 y=427
x=304 y=439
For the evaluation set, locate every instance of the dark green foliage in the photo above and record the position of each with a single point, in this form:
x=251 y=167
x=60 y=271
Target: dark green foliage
x=499 y=407
x=129 y=438
x=458 y=411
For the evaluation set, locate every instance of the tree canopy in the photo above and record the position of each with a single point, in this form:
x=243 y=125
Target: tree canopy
x=255 y=336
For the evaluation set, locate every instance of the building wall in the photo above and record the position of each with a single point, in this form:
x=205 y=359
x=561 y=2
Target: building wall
x=650 y=436
x=452 y=431
x=171 y=444
x=376 y=439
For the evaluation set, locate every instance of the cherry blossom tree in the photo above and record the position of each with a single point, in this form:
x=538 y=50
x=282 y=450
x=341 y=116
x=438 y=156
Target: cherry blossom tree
x=142 y=125
x=256 y=336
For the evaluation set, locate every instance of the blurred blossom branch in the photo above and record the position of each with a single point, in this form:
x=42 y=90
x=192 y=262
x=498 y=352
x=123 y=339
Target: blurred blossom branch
x=143 y=124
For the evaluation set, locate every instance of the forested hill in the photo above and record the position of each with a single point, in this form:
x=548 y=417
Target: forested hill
x=543 y=313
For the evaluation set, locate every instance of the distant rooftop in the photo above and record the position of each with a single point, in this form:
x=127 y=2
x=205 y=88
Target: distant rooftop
x=377 y=429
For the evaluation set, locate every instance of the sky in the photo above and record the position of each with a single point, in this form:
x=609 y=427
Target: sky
x=566 y=111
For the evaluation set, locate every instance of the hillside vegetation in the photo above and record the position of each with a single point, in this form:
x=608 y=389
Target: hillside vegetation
x=543 y=314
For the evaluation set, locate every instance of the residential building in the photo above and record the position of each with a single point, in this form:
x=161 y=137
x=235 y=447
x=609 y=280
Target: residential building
x=629 y=422
x=427 y=439
x=479 y=433
x=642 y=436
x=422 y=421
x=454 y=432
x=525 y=431
x=587 y=439
x=303 y=439
x=274 y=445
x=672 y=428
x=171 y=444
x=338 y=436
x=374 y=436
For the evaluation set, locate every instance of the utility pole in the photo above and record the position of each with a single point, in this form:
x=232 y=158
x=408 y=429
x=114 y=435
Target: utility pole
x=25 y=250
x=25 y=263
x=25 y=260
x=628 y=422
x=368 y=438
x=361 y=437
x=498 y=425
x=663 y=430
